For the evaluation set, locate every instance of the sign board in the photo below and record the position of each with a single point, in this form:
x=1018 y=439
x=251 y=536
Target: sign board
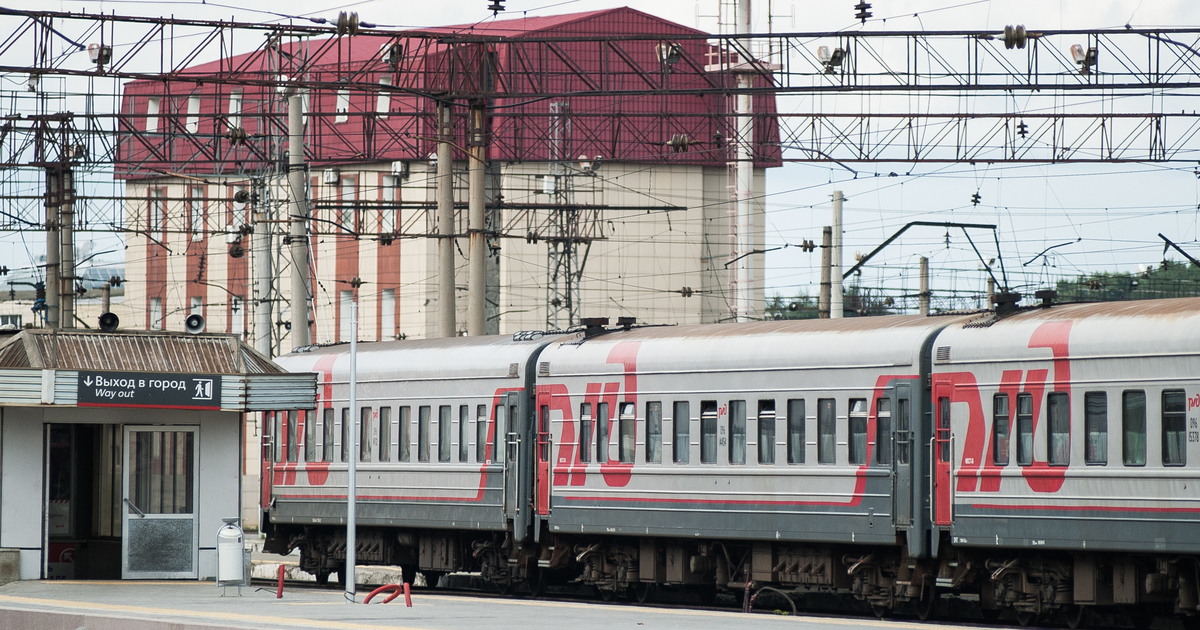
x=143 y=389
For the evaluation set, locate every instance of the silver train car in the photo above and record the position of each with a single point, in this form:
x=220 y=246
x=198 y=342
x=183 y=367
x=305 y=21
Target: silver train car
x=1038 y=460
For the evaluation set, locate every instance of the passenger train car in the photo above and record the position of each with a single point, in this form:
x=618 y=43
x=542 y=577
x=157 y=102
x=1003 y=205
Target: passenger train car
x=1044 y=460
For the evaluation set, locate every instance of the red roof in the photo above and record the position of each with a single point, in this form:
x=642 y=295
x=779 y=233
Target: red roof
x=627 y=128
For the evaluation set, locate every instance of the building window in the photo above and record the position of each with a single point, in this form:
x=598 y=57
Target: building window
x=1058 y=439
x=1024 y=429
x=423 y=433
x=342 y=107
x=737 y=432
x=235 y=109
x=387 y=314
x=826 y=431
x=1000 y=428
x=388 y=194
x=349 y=199
x=364 y=434
x=152 y=110
x=1095 y=428
x=654 y=433
x=602 y=427
x=384 y=102
x=708 y=432
x=158 y=214
x=481 y=422
x=858 y=431
x=196 y=212
x=327 y=437
x=385 y=434
x=681 y=424
x=795 y=426
x=192 y=125
x=237 y=209
x=1174 y=428
x=1133 y=428
x=403 y=431
x=346 y=324
x=627 y=433
x=464 y=425
x=156 y=313
x=196 y=305
x=883 y=431
x=237 y=315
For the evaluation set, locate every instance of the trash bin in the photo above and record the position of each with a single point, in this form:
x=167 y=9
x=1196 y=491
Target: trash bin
x=231 y=568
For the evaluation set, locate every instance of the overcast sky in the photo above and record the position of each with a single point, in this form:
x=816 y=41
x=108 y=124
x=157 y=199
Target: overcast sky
x=1114 y=212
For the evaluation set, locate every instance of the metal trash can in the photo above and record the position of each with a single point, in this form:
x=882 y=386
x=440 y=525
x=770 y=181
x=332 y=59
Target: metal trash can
x=231 y=554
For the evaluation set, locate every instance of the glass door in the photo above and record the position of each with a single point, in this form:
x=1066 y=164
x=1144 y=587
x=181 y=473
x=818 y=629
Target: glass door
x=160 y=538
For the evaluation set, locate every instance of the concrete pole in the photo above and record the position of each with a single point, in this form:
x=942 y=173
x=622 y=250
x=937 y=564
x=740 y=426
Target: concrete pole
x=105 y=298
x=991 y=293
x=826 y=261
x=835 y=267
x=744 y=175
x=352 y=465
x=263 y=276
x=923 y=296
x=53 y=247
x=298 y=227
x=447 y=307
x=476 y=282
x=66 y=235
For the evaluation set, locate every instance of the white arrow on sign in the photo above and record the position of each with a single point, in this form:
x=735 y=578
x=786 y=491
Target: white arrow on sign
x=87 y=381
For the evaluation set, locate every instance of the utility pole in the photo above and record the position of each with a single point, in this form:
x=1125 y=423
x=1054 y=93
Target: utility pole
x=261 y=251
x=445 y=217
x=826 y=272
x=744 y=175
x=53 y=247
x=835 y=267
x=352 y=464
x=298 y=232
x=476 y=280
x=66 y=234
x=923 y=296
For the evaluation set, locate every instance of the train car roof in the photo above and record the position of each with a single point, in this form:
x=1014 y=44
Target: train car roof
x=490 y=356
x=838 y=343
x=1140 y=327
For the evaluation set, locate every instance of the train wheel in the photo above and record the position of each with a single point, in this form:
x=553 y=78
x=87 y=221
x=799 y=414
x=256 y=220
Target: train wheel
x=607 y=594
x=322 y=577
x=1077 y=616
x=537 y=583
x=641 y=591
x=881 y=611
x=1025 y=619
x=927 y=607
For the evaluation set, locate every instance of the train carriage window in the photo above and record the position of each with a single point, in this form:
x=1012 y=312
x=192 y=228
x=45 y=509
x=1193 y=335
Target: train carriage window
x=903 y=439
x=481 y=423
x=1001 y=425
x=1095 y=428
x=423 y=433
x=883 y=431
x=681 y=427
x=795 y=428
x=385 y=434
x=1174 y=428
x=627 y=433
x=345 y=435
x=708 y=432
x=498 y=429
x=444 y=432
x=1024 y=429
x=403 y=431
x=1058 y=438
x=464 y=425
x=1133 y=428
x=327 y=436
x=654 y=432
x=858 y=431
x=766 y=431
x=603 y=424
x=293 y=435
x=737 y=432
x=364 y=434
x=275 y=426
x=826 y=431
x=585 y=432
x=310 y=435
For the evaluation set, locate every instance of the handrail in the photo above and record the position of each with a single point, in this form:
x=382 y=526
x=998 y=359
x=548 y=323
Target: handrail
x=135 y=508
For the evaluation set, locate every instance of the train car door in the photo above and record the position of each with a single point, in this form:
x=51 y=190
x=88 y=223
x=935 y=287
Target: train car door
x=943 y=444
x=543 y=454
x=902 y=482
x=267 y=432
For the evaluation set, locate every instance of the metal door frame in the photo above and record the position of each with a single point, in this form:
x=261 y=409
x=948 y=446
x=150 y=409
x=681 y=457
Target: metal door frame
x=126 y=504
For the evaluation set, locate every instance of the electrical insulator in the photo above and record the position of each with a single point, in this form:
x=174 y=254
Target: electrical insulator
x=496 y=6
x=975 y=199
x=862 y=11
x=1022 y=129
